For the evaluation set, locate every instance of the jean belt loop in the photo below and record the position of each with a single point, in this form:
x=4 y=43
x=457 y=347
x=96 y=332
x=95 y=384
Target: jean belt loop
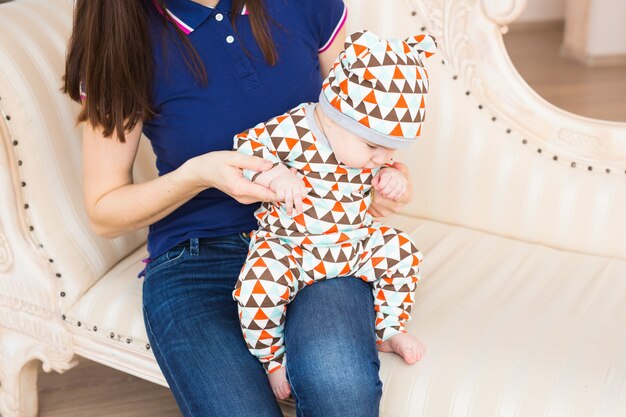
x=194 y=246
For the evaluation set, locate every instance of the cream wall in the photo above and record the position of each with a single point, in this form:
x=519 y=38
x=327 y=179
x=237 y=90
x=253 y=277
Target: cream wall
x=607 y=28
x=543 y=10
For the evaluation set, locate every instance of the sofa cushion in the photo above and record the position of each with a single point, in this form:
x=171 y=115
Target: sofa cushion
x=511 y=328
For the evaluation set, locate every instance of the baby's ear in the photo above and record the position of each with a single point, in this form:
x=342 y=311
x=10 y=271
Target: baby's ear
x=358 y=43
x=425 y=45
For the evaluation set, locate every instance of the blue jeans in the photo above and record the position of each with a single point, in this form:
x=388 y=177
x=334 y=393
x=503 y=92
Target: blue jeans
x=194 y=332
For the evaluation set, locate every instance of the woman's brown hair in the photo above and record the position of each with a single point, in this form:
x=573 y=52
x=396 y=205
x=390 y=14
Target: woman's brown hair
x=110 y=54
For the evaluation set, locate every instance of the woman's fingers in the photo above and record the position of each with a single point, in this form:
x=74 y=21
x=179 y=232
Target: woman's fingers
x=247 y=192
x=253 y=163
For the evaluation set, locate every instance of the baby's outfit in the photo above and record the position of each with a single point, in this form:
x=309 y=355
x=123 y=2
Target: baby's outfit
x=334 y=235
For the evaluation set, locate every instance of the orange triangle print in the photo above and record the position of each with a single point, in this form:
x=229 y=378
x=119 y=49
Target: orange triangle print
x=397 y=74
x=340 y=170
x=397 y=131
x=338 y=207
x=291 y=142
x=332 y=229
x=377 y=260
x=402 y=103
x=368 y=75
x=255 y=145
x=320 y=268
x=381 y=296
x=265 y=335
x=344 y=86
x=260 y=262
x=371 y=97
x=300 y=219
x=358 y=49
x=260 y=315
x=285 y=295
x=258 y=288
x=238 y=292
x=335 y=187
x=345 y=270
x=365 y=121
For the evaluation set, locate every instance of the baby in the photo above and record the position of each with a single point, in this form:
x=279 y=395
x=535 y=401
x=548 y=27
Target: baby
x=327 y=156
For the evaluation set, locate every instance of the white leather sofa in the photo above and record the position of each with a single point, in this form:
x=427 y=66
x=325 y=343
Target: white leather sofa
x=520 y=211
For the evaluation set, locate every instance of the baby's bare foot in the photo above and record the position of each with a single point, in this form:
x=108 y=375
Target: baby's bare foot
x=279 y=383
x=405 y=345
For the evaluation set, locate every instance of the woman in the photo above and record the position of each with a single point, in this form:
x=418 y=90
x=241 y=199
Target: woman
x=190 y=75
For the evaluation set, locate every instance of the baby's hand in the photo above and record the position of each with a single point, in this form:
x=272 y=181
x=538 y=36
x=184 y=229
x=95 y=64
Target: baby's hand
x=390 y=182
x=290 y=189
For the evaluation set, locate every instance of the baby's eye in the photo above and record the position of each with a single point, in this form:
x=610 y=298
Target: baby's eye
x=372 y=146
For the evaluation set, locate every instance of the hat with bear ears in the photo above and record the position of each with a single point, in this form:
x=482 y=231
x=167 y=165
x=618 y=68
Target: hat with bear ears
x=377 y=88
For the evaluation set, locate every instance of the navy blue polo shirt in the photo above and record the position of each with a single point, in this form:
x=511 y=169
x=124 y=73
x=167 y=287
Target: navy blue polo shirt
x=242 y=91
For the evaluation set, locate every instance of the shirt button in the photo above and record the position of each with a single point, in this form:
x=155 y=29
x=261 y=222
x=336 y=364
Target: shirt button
x=219 y=17
x=230 y=39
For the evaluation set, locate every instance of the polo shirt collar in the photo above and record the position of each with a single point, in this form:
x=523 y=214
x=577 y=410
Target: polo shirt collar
x=188 y=14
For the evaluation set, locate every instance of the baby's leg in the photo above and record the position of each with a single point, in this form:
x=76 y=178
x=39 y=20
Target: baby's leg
x=267 y=283
x=390 y=261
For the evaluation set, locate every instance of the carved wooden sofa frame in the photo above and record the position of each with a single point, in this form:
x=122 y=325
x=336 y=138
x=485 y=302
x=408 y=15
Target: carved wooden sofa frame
x=519 y=211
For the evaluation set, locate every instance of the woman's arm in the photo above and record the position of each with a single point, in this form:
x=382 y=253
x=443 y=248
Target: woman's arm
x=116 y=205
x=328 y=57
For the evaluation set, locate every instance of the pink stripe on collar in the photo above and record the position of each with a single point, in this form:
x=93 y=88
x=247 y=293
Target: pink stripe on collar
x=181 y=25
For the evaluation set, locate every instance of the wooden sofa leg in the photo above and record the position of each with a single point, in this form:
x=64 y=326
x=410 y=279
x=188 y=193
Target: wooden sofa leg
x=20 y=358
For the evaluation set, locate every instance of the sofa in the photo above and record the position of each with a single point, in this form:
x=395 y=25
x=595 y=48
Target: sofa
x=519 y=210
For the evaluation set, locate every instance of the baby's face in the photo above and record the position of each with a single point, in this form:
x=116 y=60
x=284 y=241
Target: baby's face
x=356 y=152
x=352 y=150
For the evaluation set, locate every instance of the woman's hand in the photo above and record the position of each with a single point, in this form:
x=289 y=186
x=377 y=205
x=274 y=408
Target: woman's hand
x=382 y=206
x=224 y=170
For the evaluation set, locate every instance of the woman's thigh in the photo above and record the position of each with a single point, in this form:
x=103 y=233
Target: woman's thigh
x=332 y=360
x=193 y=328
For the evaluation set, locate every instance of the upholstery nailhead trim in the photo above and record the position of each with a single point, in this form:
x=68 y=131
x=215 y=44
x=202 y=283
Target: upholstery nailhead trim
x=509 y=130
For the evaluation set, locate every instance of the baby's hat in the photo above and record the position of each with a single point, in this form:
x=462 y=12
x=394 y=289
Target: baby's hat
x=376 y=88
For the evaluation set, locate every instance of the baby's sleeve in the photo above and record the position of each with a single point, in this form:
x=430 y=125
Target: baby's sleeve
x=256 y=142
